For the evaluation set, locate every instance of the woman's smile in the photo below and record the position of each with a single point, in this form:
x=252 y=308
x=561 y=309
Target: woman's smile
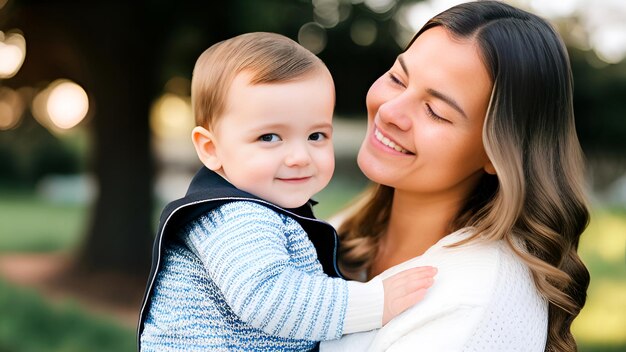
x=389 y=142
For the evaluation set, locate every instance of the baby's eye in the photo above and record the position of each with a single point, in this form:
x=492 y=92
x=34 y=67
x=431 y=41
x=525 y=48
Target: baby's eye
x=269 y=137
x=317 y=136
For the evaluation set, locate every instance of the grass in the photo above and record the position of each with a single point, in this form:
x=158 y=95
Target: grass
x=602 y=322
x=336 y=195
x=30 y=224
x=29 y=323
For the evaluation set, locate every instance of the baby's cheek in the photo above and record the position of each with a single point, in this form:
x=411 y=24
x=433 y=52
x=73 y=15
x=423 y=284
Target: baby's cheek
x=325 y=168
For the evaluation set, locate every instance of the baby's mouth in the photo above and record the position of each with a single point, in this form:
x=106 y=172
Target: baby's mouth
x=389 y=143
x=295 y=179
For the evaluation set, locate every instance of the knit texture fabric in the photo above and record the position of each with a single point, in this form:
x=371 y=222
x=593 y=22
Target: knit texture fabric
x=243 y=277
x=483 y=299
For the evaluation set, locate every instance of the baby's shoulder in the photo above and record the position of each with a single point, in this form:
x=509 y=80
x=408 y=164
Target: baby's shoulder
x=243 y=211
x=232 y=218
x=246 y=206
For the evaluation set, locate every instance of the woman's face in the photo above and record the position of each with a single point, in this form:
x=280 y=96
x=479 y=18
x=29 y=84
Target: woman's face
x=425 y=119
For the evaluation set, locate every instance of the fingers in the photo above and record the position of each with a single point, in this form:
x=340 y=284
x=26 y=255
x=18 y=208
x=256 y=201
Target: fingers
x=401 y=304
x=395 y=305
x=405 y=289
x=416 y=284
x=410 y=280
x=402 y=288
x=420 y=271
x=417 y=269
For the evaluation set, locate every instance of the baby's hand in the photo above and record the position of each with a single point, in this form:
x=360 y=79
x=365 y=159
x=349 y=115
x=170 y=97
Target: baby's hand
x=404 y=289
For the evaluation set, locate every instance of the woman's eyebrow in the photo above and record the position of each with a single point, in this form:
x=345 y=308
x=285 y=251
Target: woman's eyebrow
x=448 y=100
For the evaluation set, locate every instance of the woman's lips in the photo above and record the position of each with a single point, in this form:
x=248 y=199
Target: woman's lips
x=384 y=140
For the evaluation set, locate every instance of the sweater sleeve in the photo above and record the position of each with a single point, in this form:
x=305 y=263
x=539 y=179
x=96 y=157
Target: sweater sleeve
x=365 y=306
x=245 y=252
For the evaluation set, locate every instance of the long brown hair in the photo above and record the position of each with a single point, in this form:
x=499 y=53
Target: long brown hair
x=536 y=203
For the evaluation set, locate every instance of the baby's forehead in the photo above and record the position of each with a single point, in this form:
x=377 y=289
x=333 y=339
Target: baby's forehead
x=309 y=99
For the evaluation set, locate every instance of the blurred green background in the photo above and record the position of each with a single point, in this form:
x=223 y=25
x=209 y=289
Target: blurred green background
x=94 y=126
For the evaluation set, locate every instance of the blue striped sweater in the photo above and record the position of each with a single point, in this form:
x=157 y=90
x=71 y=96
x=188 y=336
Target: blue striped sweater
x=243 y=277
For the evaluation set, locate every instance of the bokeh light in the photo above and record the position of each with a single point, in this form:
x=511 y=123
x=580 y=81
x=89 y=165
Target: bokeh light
x=171 y=122
x=61 y=105
x=12 y=53
x=179 y=86
x=380 y=6
x=171 y=116
x=601 y=20
x=326 y=12
x=598 y=26
x=11 y=108
x=67 y=104
x=313 y=37
x=609 y=42
x=363 y=31
x=554 y=9
x=411 y=17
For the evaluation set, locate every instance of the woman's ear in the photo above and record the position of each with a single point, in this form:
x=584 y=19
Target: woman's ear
x=204 y=142
x=489 y=168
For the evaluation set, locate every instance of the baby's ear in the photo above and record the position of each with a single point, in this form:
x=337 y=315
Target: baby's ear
x=204 y=142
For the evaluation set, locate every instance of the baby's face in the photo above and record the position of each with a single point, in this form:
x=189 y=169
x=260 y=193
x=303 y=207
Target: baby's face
x=275 y=140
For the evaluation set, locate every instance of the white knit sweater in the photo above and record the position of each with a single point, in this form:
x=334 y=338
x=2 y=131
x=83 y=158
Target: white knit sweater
x=483 y=299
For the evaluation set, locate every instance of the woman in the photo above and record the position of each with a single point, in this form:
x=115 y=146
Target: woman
x=472 y=145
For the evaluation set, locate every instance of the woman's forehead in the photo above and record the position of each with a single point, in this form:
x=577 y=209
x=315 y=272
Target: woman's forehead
x=438 y=61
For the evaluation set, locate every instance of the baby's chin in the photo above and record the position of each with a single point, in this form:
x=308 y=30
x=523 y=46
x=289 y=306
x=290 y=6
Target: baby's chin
x=291 y=204
x=294 y=200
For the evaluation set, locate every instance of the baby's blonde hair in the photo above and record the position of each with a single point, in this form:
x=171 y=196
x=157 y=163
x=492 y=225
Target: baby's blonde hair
x=269 y=57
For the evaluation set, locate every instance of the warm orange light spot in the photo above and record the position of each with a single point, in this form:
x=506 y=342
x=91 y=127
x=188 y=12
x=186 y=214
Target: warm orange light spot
x=12 y=53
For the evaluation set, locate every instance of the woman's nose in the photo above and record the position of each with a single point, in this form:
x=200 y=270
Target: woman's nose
x=396 y=112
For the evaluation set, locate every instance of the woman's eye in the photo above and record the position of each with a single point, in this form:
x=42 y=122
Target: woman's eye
x=433 y=115
x=269 y=137
x=317 y=136
x=395 y=79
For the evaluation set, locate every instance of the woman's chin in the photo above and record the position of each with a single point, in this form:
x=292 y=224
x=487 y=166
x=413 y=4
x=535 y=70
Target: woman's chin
x=371 y=167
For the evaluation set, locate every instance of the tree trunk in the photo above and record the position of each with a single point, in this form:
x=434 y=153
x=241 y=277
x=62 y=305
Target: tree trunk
x=120 y=230
x=102 y=46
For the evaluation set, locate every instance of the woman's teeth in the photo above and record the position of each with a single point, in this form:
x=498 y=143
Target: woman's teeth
x=386 y=141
